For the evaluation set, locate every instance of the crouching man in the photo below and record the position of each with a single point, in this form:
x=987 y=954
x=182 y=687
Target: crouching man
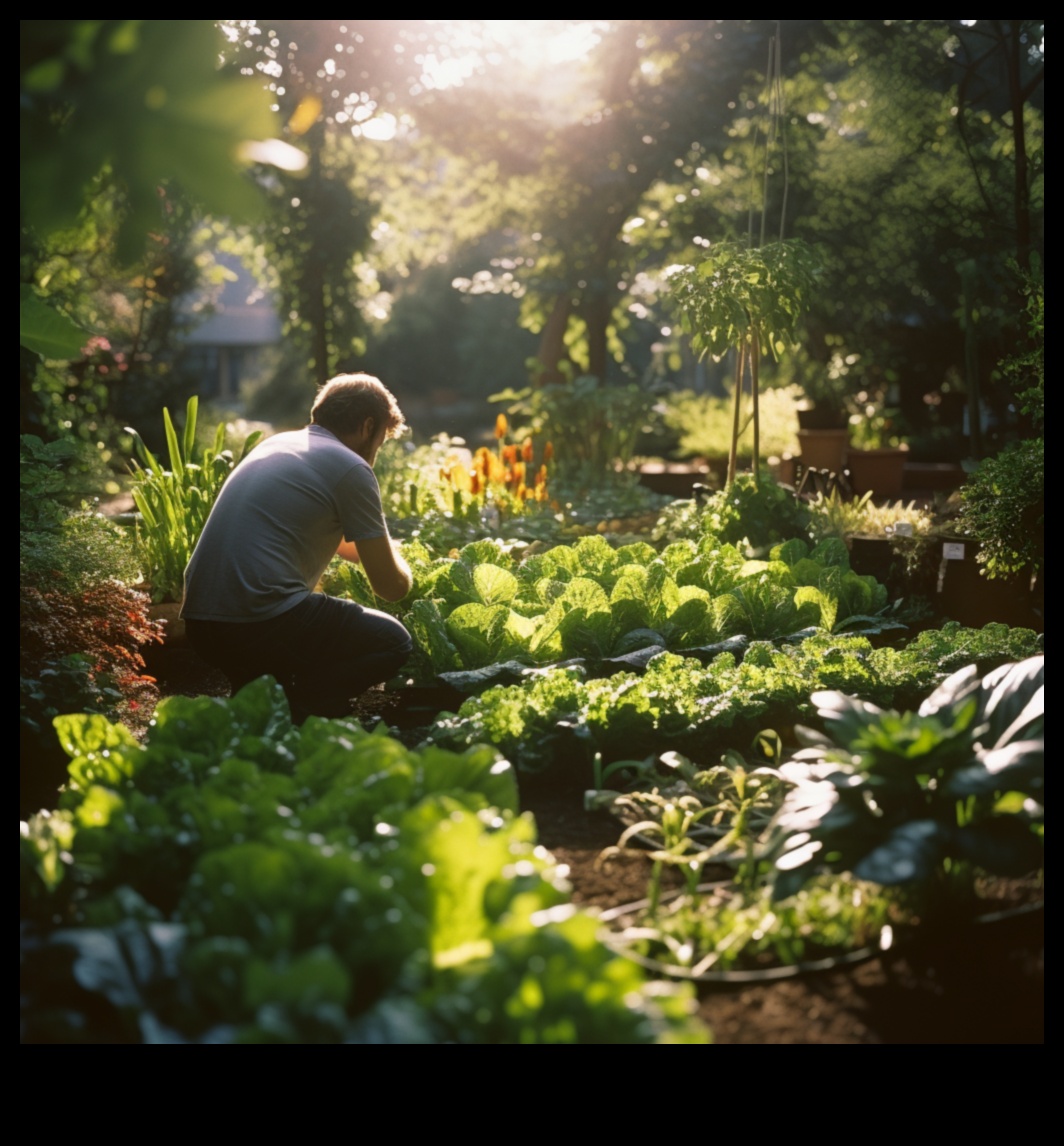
x=250 y=602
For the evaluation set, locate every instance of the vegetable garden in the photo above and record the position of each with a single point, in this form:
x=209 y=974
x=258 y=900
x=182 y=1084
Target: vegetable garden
x=737 y=766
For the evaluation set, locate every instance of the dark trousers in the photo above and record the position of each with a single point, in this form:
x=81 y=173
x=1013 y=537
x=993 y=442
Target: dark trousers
x=325 y=652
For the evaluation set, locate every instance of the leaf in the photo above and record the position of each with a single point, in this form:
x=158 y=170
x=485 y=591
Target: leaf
x=45 y=330
x=476 y=680
x=494 y=586
x=910 y=852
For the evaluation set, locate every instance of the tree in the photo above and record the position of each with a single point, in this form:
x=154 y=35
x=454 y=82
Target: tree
x=115 y=115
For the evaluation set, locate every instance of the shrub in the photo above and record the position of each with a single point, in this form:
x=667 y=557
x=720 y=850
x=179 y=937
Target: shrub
x=1004 y=509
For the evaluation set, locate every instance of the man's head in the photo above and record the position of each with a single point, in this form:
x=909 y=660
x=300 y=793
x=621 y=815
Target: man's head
x=358 y=405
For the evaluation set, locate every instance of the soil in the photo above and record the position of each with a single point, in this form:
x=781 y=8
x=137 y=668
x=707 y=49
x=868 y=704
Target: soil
x=983 y=985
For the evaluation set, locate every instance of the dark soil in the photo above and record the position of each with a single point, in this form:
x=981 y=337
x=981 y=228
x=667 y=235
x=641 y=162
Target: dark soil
x=982 y=985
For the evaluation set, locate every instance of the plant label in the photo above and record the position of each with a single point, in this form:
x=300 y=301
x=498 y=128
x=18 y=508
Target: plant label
x=953 y=550
x=905 y=529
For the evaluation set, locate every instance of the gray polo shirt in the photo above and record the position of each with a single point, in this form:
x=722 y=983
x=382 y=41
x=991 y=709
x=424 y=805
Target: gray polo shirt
x=276 y=524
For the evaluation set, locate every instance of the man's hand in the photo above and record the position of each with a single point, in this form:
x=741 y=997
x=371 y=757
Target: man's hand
x=385 y=567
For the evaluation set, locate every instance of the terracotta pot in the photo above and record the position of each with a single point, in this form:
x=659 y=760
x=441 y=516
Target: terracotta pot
x=824 y=449
x=880 y=471
x=822 y=418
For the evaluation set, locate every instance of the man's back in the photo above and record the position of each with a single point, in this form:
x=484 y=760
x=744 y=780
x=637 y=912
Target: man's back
x=277 y=522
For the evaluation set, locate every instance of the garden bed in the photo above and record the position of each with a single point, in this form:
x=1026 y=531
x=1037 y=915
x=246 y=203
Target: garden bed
x=982 y=985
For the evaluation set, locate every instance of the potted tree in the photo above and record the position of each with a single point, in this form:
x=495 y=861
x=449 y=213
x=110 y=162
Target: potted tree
x=747 y=300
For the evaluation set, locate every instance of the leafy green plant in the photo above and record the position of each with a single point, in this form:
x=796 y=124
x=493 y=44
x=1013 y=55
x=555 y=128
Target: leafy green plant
x=921 y=797
x=174 y=504
x=729 y=929
x=593 y=426
x=740 y=800
x=234 y=878
x=1003 y=508
x=757 y=511
x=81 y=550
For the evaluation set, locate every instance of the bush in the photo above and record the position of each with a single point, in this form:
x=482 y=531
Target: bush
x=1004 y=509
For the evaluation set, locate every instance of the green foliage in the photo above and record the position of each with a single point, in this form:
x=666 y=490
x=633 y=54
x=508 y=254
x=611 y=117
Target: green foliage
x=83 y=550
x=745 y=296
x=596 y=603
x=556 y=720
x=174 y=504
x=923 y=796
x=746 y=930
x=760 y=514
x=838 y=516
x=314 y=884
x=141 y=101
x=43 y=484
x=593 y=427
x=1004 y=509
x=45 y=331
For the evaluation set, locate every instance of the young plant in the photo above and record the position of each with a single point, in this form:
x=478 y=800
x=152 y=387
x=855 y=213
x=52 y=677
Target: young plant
x=748 y=300
x=837 y=516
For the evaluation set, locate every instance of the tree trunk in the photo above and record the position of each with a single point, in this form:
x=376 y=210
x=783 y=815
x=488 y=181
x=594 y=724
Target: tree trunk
x=552 y=350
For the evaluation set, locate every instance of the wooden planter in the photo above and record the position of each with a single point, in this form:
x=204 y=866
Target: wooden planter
x=673 y=478
x=880 y=472
x=965 y=595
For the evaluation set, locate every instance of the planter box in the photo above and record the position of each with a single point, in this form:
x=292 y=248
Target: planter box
x=965 y=595
x=673 y=479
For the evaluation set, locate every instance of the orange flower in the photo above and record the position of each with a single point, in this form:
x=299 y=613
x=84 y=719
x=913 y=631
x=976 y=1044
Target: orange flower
x=474 y=483
x=548 y=452
x=509 y=453
x=501 y=426
x=526 y=450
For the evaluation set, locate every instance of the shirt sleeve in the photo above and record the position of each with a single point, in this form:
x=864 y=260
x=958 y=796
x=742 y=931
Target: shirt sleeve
x=359 y=499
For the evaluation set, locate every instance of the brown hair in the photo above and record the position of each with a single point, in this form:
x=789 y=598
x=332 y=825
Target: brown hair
x=344 y=403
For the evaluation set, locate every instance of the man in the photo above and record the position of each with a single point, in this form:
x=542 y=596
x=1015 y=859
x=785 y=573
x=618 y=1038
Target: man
x=250 y=602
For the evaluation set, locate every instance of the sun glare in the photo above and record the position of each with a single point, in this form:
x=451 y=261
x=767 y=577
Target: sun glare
x=537 y=45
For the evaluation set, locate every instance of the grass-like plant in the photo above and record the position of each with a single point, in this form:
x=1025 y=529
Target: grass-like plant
x=837 y=516
x=174 y=503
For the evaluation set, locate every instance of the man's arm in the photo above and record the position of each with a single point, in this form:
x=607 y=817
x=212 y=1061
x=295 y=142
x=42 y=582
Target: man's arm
x=348 y=550
x=385 y=567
